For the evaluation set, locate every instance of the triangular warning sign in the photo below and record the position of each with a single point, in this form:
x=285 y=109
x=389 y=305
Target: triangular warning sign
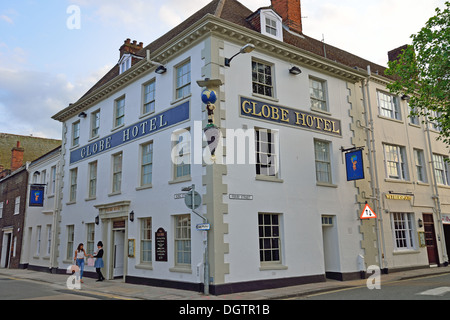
x=368 y=213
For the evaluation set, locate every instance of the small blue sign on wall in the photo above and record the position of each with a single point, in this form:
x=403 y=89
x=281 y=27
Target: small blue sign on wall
x=354 y=164
x=37 y=196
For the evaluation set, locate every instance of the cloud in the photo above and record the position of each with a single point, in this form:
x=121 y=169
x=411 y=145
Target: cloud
x=7 y=19
x=28 y=100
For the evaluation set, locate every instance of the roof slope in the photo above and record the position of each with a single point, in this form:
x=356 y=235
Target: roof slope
x=235 y=12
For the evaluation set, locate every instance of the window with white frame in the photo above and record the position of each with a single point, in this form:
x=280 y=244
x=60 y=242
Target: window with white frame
x=267 y=163
x=323 y=161
x=269 y=238
x=75 y=133
x=125 y=63
x=90 y=232
x=117 y=173
x=95 y=123
x=388 y=105
x=317 y=94
x=149 y=90
x=17 y=205
x=119 y=112
x=146 y=240
x=395 y=160
x=92 y=188
x=38 y=240
x=403 y=232
x=181 y=153
x=1 y=210
x=73 y=185
x=183 y=80
x=53 y=179
x=441 y=169
x=262 y=78
x=271 y=24
x=70 y=242
x=183 y=240
x=433 y=115
x=147 y=164
x=413 y=118
x=49 y=239
x=420 y=165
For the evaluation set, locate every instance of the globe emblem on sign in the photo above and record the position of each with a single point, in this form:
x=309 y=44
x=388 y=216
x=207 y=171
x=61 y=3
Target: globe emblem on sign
x=209 y=96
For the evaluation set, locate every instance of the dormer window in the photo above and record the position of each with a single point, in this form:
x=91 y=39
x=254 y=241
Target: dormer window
x=125 y=63
x=271 y=24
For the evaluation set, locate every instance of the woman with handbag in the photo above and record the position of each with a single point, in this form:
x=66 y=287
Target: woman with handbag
x=99 y=261
x=80 y=254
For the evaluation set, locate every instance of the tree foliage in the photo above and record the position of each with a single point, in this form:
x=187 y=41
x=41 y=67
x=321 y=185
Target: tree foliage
x=422 y=72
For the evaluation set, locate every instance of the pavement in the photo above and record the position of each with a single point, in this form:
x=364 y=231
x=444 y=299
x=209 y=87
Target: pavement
x=117 y=289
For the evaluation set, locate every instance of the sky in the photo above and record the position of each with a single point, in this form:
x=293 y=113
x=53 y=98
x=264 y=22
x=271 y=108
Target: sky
x=53 y=51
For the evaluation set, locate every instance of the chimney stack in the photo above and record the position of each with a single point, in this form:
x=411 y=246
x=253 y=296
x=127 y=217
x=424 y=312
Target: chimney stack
x=395 y=53
x=290 y=11
x=130 y=47
x=17 y=157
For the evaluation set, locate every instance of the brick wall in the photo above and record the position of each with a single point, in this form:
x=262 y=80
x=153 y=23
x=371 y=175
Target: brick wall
x=10 y=188
x=290 y=11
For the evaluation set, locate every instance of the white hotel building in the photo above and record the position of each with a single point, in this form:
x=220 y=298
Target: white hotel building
x=290 y=218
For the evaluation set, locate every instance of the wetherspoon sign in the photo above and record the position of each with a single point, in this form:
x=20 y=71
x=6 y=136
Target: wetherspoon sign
x=291 y=117
x=149 y=126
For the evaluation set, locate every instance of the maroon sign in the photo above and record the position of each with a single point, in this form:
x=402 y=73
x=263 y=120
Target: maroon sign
x=161 y=245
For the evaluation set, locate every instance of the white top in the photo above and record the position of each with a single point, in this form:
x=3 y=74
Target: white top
x=80 y=254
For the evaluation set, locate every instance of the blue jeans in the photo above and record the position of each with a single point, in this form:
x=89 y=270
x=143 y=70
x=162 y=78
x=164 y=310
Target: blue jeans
x=80 y=264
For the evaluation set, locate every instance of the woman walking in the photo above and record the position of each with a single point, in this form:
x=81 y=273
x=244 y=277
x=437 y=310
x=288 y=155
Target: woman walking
x=99 y=261
x=80 y=254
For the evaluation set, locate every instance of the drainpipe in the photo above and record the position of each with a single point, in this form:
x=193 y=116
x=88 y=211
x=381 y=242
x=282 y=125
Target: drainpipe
x=376 y=189
x=53 y=251
x=436 y=198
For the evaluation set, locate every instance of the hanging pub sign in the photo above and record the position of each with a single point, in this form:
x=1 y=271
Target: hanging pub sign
x=354 y=164
x=37 y=196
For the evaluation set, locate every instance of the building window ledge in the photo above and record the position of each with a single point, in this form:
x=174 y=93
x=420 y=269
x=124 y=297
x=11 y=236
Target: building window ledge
x=145 y=266
x=273 y=266
x=181 y=179
x=268 y=178
x=181 y=269
x=148 y=186
x=406 y=251
x=326 y=184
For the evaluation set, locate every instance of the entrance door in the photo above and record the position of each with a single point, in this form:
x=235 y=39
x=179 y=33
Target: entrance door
x=430 y=239
x=119 y=251
x=6 y=250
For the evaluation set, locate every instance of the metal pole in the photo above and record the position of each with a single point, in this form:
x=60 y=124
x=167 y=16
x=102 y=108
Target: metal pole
x=206 y=259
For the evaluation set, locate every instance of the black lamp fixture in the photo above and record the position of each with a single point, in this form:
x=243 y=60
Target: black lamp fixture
x=132 y=216
x=82 y=115
x=245 y=49
x=405 y=97
x=295 y=70
x=161 y=69
x=420 y=223
x=97 y=220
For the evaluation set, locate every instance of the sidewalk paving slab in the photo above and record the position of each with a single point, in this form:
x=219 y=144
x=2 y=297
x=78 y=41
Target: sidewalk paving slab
x=117 y=289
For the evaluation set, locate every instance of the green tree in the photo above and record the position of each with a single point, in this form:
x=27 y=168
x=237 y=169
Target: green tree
x=422 y=72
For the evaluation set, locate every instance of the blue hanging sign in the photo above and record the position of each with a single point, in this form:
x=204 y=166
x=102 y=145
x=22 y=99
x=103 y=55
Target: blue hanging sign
x=37 y=196
x=146 y=127
x=354 y=164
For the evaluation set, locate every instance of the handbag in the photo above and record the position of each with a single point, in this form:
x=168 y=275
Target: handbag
x=90 y=262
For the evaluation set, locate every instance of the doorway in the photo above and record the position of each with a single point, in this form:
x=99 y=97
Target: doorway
x=118 y=252
x=6 y=249
x=430 y=239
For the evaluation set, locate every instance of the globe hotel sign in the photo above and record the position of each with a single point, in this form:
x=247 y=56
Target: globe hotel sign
x=286 y=116
x=146 y=127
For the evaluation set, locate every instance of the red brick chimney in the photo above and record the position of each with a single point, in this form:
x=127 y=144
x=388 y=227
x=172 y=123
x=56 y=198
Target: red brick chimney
x=16 y=157
x=290 y=11
x=130 y=47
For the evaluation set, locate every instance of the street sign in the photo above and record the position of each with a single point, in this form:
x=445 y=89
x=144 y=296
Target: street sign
x=368 y=213
x=197 y=200
x=203 y=227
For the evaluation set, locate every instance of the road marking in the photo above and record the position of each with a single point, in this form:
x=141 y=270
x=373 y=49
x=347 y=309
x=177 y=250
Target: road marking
x=436 y=291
